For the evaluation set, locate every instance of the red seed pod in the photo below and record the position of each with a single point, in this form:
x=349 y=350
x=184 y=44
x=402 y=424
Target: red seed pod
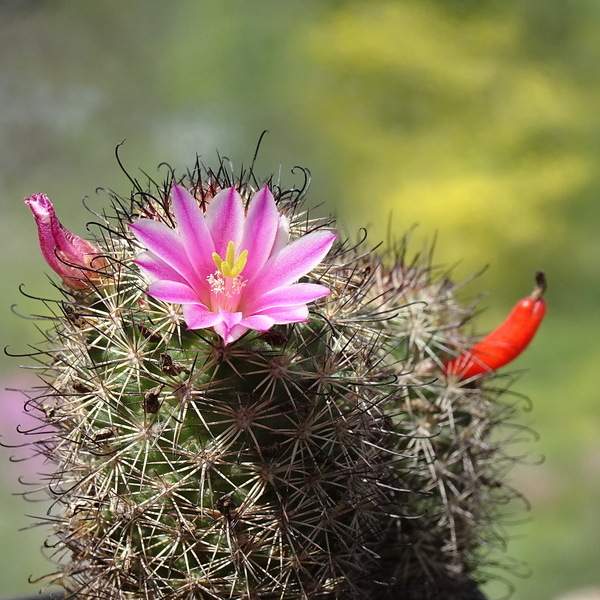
x=505 y=343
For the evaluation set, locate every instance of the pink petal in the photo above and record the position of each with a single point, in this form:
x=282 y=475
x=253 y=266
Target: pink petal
x=258 y=322
x=230 y=334
x=230 y=318
x=156 y=268
x=194 y=231
x=283 y=235
x=225 y=220
x=287 y=314
x=167 y=245
x=229 y=327
x=294 y=261
x=298 y=293
x=260 y=231
x=172 y=291
x=197 y=316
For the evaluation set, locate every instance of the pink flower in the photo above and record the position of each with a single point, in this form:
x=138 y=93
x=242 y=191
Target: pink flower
x=231 y=270
x=74 y=259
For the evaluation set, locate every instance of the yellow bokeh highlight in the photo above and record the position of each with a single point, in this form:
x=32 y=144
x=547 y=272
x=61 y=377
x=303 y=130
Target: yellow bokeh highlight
x=444 y=123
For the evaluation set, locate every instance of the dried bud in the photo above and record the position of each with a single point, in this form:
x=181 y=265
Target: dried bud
x=76 y=260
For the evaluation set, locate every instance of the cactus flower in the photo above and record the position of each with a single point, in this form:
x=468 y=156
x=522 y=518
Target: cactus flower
x=74 y=259
x=232 y=270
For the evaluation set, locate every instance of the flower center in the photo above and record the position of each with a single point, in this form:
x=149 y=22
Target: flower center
x=226 y=279
x=230 y=267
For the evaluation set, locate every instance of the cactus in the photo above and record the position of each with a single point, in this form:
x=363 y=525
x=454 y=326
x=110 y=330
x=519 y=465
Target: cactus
x=317 y=455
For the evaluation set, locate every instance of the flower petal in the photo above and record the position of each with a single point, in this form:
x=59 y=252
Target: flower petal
x=283 y=235
x=294 y=261
x=260 y=231
x=156 y=268
x=287 y=314
x=258 y=322
x=229 y=327
x=230 y=334
x=197 y=316
x=167 y=245
x=194 y=231
x=225 y=220
x=173 y=291
x=297 y=293
x=230 y=318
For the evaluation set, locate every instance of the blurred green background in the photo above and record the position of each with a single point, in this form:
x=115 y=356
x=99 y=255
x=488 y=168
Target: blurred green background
x=477 y=119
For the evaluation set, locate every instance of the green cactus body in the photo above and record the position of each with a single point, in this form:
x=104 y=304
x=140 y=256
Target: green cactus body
x=320 y=459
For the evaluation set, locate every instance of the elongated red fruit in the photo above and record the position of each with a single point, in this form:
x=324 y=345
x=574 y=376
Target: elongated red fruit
x=506 y=342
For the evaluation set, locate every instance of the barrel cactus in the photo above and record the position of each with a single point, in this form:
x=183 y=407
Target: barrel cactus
x=240 y=404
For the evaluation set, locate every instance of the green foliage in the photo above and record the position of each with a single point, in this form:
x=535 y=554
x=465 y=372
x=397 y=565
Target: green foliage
x=446 y=121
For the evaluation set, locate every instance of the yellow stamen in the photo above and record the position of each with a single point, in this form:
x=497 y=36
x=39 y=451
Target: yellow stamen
x=231 y=267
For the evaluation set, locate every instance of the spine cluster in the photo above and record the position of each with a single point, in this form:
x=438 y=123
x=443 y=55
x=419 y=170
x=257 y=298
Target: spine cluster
x=327 y=459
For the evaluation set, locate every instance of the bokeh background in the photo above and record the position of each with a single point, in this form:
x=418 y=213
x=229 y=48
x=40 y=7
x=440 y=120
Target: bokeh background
x=478 y=120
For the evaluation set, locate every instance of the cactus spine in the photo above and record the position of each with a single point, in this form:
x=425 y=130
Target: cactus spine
x=319 y=459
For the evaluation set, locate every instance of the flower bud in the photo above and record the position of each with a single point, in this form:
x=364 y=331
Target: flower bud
x=76 y=260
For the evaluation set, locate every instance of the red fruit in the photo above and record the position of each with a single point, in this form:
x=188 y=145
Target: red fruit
x=506 y=342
